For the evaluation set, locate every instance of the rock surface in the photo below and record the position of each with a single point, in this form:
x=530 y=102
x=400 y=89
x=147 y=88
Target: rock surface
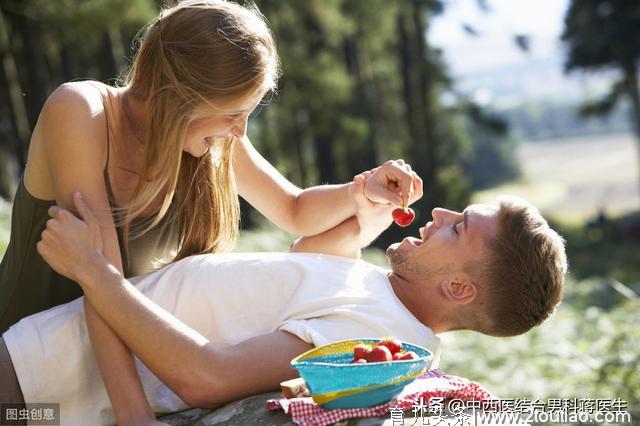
x=249 y=412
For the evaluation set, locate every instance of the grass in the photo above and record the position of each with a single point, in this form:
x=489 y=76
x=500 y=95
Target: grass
x=571 y=180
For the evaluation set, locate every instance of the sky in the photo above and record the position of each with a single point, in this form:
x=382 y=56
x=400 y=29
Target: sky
x=493 y=69
x=542 y=20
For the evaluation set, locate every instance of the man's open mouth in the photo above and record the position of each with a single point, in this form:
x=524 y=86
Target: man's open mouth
x=415 y=241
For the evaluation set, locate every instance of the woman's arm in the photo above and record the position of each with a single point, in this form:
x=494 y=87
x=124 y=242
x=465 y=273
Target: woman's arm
x=70 y=129
x=199 y=372
x=313 y=210
x=359 y=231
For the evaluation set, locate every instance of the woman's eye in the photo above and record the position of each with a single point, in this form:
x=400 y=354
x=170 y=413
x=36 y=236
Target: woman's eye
x=455 y=229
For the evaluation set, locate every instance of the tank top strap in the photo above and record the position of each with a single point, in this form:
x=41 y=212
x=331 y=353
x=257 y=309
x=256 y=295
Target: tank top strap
x=105 y=171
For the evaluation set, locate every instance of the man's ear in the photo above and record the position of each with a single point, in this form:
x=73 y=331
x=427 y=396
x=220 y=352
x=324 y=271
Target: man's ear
x=461 y=291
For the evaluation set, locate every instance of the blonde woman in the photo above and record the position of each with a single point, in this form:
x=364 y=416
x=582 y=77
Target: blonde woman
x=162 y=160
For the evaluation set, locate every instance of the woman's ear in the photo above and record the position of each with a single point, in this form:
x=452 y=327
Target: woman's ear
x=461 y=291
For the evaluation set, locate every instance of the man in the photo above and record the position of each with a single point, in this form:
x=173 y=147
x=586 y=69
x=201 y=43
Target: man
x=214 y=328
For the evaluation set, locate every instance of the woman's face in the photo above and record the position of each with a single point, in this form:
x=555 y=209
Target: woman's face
x=205 y=127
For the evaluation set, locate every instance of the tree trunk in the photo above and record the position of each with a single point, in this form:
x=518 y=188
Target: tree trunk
x=429 y=152
x=14 y=88
x=633 y=90
x=114 y=57
x=34 y=63
x=408 y=86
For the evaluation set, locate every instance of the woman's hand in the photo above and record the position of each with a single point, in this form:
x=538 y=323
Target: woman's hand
x=392 y=183
x=69 y=244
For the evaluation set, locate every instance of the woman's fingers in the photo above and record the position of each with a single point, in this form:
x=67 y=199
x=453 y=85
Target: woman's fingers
x=417 y=188
x=394 y=182
x=402 y=175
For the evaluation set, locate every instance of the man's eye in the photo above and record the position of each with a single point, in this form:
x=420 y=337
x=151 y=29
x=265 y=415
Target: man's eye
x=455 y=229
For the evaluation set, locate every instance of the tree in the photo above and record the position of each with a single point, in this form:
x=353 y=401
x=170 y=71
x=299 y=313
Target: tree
x=600 y=35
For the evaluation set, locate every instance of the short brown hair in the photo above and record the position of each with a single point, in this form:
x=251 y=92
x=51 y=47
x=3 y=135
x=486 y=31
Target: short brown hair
x=524 y=278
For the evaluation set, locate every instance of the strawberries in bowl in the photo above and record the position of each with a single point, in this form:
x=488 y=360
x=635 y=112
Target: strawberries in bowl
x=360 y=372
x=389 y=349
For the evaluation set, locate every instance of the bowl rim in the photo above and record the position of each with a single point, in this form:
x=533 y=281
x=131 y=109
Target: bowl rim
x=295 y=362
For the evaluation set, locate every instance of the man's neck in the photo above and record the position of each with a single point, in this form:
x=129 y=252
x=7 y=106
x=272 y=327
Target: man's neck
x=423 y=301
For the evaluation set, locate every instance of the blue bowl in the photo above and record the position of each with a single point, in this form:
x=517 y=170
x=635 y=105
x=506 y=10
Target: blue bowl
x=335 y=382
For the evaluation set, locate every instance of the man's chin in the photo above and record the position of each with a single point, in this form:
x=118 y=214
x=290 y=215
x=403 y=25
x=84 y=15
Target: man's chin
x=395 y=256
x=393 y=247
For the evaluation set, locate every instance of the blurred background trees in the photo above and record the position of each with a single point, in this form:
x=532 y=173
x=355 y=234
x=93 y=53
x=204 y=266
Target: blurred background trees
x=361 y=85
x=600 y=35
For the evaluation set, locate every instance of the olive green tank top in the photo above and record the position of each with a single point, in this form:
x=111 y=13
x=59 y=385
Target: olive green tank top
x=29 y=285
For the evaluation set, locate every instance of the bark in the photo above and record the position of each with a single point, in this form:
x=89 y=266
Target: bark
x=633 y=91
x=14 y=88
x=35 y=66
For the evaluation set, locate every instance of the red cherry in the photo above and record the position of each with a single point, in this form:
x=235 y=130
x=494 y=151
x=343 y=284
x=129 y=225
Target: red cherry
x=379 y=354
x=403 y=217
x=393 y=344
x=361 y=351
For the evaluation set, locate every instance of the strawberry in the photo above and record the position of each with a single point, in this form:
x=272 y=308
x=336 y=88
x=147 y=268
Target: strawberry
x=403 y=217
x=394 y=345
x=361 y=351
x=359 y=361
x=379 y=354
x=400 y=356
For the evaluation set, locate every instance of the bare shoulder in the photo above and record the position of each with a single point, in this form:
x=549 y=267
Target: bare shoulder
x=72 y=120
x=69 y=141
x=77 y=102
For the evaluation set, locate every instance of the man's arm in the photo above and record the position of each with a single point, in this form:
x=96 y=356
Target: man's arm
x=198 y=371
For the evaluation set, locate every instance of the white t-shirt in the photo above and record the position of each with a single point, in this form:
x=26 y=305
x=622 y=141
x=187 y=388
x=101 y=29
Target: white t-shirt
x=227 y=298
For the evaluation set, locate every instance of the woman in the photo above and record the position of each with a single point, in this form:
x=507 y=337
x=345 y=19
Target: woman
x=161 y=160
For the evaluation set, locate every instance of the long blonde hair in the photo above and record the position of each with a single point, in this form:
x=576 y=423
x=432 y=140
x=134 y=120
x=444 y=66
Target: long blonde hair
x=198 y=52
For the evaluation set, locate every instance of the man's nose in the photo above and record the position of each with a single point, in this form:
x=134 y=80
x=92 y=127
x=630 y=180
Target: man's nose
x=441 y=215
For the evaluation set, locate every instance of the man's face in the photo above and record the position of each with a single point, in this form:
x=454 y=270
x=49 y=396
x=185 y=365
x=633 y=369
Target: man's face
x=445 y=245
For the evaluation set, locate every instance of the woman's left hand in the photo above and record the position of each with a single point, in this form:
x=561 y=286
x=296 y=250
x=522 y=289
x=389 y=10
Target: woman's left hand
x=68 y=244
x=394 y=183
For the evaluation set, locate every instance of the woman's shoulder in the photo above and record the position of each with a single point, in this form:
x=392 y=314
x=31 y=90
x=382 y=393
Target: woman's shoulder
x=74 y=110
x=77 y=97
x=69 y=139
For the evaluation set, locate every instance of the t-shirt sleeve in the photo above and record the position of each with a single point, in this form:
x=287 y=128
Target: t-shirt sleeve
x=325 y=330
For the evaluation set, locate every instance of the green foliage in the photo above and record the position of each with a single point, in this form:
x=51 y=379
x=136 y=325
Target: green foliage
x=606 y=248
x=598 y=33
x=493 y=159
x=601 y=34
x=591 y=353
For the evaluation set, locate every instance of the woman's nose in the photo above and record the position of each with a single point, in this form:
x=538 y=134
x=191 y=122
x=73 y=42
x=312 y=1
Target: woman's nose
x=239 y=129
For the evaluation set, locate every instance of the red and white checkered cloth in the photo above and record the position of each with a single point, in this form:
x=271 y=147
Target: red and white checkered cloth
x=433 y=383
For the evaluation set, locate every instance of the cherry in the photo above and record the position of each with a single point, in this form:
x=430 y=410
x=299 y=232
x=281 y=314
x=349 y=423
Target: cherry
x=403 y=217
